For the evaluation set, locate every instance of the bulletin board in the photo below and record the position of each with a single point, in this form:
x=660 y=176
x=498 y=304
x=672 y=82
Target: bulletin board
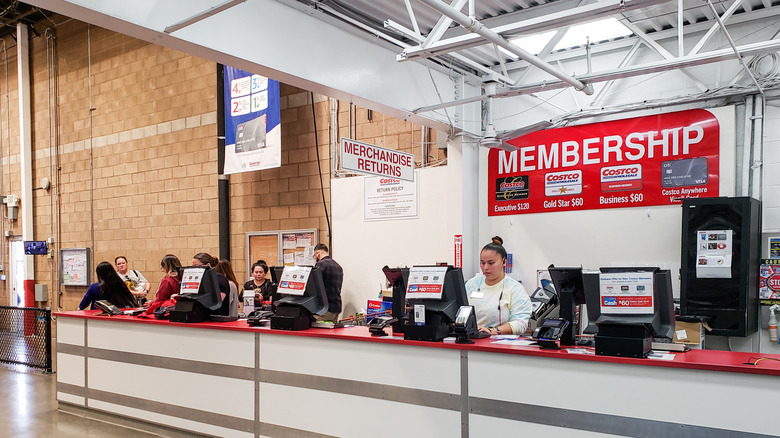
x=74 y=263
x=282 y=247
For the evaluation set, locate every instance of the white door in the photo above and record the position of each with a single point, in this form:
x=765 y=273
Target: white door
x=16 y=263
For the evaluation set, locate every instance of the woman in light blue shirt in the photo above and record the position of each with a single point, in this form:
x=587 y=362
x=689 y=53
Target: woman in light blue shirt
x=501 y=302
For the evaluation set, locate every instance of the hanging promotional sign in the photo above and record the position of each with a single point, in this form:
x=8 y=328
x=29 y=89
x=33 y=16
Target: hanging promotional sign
x=651 y=160
x=253 y=130
x=374 y=160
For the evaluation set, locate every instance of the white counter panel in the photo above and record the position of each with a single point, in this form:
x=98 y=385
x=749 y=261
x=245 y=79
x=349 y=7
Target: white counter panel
x=353 y=417
x=694 y=397
x=70 y=331
x=489 y=427
x=70 y=369
x=70 y=398
x=170 y=421
x=208 y=393
x=217 y=346
x=432 y=369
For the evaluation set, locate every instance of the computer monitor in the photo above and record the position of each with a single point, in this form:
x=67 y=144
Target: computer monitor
x=398 y=277
x=276 y=273
x=199 y=283
x=441 y=300
x=605 y=307
x=568 y=285
x=303 y=297
x=199 y=294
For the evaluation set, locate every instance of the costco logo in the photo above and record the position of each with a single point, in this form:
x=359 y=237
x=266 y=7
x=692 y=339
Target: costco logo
x=563 y=183
x=619 y=178
x=513 y=185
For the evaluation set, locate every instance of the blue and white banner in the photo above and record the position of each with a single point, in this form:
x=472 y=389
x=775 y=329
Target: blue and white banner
x=253 y=129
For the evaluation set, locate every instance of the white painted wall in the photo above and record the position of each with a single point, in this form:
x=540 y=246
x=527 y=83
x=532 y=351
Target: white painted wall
x=771 y=169
x=362 y=248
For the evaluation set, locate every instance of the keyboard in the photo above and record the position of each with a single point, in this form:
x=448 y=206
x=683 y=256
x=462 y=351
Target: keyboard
x=480 y=335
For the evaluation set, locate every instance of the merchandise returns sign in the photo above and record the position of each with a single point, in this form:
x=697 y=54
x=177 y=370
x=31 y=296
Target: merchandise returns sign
x=652 y=160
x=373 y=160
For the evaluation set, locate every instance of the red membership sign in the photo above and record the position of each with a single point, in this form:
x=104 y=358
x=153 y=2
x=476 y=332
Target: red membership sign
x=651 y=160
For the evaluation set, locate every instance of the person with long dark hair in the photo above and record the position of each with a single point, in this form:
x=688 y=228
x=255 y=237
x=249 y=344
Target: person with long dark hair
x=205 y=259
x=224 y=268
x=109 y=287
x=502 y=305
x=169 y=285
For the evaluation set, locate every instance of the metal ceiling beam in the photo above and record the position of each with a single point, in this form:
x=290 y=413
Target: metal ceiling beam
x=580 y=14
x=653 y=67
x=628 y=72
x=653 y=44
x=397 y=27
x=477 y=27
x=605 y=89
x=413 y=19
x=726 y=15
x=756 y=15
x=734 y=47
x=202 y=15
x=441 y=26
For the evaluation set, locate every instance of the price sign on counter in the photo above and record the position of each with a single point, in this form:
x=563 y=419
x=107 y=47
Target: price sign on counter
x=294 y=279
x=426 y=282
x=626 y=293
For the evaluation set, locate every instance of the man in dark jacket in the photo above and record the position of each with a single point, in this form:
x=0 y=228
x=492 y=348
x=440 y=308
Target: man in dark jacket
x=333 y=278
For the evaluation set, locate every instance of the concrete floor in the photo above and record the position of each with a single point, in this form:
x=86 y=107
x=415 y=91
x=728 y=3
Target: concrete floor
x=28 y=408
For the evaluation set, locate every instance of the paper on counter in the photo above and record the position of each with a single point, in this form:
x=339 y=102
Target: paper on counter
x=660 y=355
x=518 y=342
x=579 y=351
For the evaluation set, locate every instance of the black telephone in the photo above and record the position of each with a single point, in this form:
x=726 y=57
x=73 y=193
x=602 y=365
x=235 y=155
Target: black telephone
x=259 y=317
x=107 y=307
x=377 y=325
x=549 y=331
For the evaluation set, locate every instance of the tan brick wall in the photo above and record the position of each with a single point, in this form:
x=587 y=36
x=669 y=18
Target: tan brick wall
x=154 y=155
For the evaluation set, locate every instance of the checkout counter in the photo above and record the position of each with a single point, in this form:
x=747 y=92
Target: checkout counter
x=231 y=380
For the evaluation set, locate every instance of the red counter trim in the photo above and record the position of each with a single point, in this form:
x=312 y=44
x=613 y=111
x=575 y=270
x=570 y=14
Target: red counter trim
x=710 y=360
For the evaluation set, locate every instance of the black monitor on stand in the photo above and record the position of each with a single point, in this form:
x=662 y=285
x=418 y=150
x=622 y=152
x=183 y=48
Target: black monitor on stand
x=199 y=294
x=571 y=293
x=441 y=304
x=629 y=334
x=397 y=277
x=303 y=298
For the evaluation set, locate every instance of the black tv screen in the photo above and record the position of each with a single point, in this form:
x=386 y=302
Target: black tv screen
x=35 y=247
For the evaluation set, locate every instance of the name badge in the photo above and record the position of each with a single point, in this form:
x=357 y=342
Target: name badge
x=477 y=294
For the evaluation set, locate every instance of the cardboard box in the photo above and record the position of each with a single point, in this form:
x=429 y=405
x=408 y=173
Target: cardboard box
x=689 y=333
x=378 y=306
